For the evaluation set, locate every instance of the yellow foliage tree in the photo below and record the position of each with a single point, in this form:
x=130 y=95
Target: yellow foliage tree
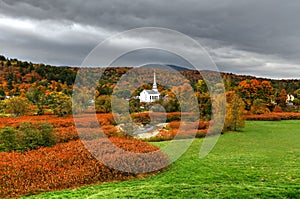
x=61 y=104
x=235 y=108
x=17 y=106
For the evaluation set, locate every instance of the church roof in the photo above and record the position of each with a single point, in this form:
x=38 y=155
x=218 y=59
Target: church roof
x=152 y=92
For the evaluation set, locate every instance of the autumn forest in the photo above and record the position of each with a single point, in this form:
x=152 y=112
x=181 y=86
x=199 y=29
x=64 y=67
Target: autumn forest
x=41 y=151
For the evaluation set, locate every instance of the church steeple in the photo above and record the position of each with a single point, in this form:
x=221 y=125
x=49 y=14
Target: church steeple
x=154 y=87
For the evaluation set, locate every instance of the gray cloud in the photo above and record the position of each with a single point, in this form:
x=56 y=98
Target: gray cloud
x=251 y=37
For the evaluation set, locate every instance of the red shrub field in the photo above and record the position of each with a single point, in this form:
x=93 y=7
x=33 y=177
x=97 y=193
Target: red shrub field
x=104 y=119
x=274 y=116
x=68 y=165
x=201 y=125
x=188 y=131
x=174 y=116
x=170 y=135
x=64 y=126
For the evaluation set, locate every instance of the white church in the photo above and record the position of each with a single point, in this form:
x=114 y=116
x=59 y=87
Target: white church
x=150 y=95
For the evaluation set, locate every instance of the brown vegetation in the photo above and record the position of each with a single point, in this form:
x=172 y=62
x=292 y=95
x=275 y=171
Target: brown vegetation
x=274 y=116
x=67 y=165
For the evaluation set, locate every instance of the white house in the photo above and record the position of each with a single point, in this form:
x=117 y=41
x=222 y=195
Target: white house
x=150 y=95
x=289 y=100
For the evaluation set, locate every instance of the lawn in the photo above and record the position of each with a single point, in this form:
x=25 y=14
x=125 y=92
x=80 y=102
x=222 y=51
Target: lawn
x=263 y=161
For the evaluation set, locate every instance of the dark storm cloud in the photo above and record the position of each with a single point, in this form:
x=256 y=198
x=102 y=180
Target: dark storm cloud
x=253 y=36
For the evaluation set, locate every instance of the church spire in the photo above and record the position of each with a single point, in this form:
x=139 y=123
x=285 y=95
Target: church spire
x=154 y=87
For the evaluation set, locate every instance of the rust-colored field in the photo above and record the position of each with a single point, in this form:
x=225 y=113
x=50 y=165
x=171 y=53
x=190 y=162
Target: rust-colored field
x=69 y=164
x=274 y=116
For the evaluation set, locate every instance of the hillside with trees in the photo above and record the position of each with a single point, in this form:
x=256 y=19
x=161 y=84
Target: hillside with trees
x=40 y=140
x=48 y=89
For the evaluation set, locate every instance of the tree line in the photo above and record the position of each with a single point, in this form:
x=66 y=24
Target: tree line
x=25 y=87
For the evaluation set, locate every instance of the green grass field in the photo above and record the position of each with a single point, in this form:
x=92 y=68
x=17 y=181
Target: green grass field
x=263 y=161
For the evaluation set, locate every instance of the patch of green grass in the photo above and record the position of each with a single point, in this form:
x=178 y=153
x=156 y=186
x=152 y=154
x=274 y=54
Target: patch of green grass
x=263 y=161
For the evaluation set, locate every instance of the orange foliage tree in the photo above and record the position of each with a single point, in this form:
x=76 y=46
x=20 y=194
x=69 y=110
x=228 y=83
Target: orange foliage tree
x=250 y=90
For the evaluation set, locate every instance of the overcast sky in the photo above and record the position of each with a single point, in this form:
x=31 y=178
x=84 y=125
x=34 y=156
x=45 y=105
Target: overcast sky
x=256 y=37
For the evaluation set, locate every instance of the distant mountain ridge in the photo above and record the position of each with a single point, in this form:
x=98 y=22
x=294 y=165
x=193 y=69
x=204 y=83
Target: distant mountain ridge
x=166 y=66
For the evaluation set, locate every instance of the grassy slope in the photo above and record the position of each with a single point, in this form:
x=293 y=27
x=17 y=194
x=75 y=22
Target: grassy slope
x=263 y=161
